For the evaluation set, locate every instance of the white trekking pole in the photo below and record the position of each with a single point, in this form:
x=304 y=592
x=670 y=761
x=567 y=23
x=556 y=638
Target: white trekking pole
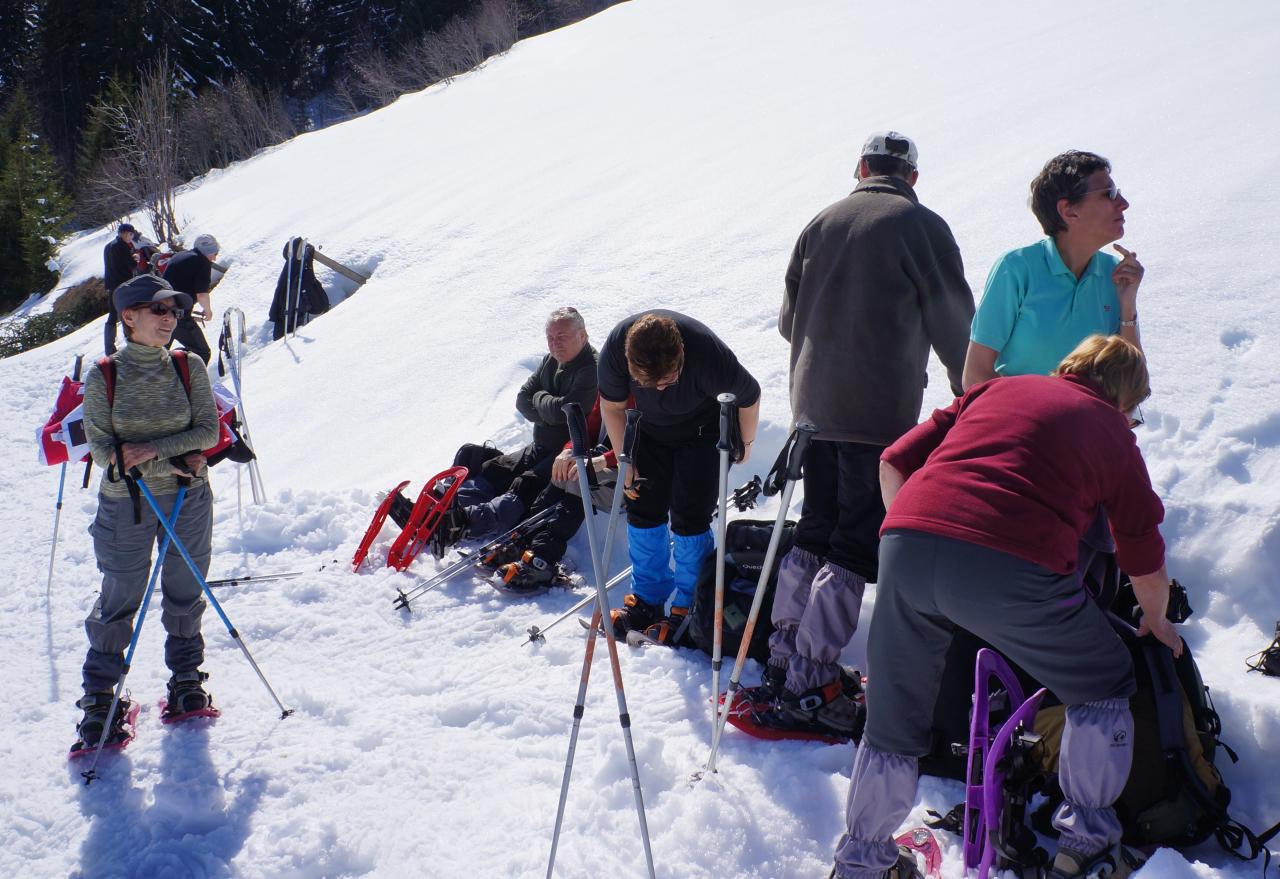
x=724 y=447
x=600 y=620
x=799 y=443
x=233 y=327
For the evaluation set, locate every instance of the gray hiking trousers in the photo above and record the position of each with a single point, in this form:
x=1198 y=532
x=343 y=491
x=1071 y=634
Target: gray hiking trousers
x=816 y=605
x=123 y=549
x=1042 y=621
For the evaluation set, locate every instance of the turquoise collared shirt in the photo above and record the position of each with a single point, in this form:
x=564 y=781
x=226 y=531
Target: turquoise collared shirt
x=1034 y=311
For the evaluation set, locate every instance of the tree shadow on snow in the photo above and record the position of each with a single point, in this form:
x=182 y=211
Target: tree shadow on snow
x=188 y=829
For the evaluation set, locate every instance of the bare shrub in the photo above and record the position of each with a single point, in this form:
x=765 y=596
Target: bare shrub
x=85 y=300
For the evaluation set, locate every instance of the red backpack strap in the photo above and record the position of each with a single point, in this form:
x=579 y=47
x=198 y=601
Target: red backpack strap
x=107 y=367
x=183 y=367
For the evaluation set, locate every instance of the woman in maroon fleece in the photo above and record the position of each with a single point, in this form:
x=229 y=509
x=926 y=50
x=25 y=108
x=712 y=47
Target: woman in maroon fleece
x=986 y=503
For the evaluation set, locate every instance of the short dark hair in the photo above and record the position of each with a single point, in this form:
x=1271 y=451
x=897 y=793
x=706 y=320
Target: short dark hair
x=654 y=349
x=1063 y=176
x=888 y=166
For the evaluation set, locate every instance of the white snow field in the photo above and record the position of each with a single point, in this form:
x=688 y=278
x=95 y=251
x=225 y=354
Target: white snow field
x=663 y=153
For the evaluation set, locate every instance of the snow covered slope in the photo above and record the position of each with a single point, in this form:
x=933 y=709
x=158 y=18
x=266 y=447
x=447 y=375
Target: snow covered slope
x=665 y=152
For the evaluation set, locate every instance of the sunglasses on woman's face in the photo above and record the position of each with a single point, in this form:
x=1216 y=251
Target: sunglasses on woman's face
x=160 y=310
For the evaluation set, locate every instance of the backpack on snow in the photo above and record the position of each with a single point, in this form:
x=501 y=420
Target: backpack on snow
x=1174 y=796
x=746 y=541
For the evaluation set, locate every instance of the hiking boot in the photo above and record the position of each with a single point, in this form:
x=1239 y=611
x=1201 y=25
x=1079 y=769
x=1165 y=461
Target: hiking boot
x=95 y=707
x=451 y=529
x=187 y=693
x=401 y=509
x=1112 y=863
x=498 y=555
x=851 y=679
x=670 y=630
x=528 y=576
x=826 y=711
x=634 y=615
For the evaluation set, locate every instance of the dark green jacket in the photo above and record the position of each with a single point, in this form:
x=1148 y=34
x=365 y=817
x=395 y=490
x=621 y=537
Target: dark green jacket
x=549 y=388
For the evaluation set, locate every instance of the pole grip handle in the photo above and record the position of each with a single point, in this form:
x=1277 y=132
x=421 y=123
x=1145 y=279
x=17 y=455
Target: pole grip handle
x=726 y=402
x=577 y=424
x=75 y=371
x=804 y=433
x=629 y=435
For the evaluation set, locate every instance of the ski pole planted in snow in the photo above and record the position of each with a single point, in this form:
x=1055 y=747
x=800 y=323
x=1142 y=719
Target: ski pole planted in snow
x=799 y=443
x=577 y=432
x=233 y=329
x=136 y=475
x=726 y=414
x=91 y=773
x=57 y=510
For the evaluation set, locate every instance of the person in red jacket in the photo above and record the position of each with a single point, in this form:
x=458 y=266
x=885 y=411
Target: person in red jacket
x=986 y=503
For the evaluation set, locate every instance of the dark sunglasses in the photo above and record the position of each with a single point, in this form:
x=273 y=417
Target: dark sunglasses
x=1112 y=191
x=160 y=310
x=1135 y=417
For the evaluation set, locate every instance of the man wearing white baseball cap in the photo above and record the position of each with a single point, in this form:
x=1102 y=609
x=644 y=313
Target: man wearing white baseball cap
x=191 y=272
x=875 y=281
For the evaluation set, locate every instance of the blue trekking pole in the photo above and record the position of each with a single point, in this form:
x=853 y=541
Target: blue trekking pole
x=91 y=773
x=136 y=475
x=57 y=514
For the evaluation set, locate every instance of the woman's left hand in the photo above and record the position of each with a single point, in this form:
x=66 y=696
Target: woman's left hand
x=1127 y=276
x=136 y=453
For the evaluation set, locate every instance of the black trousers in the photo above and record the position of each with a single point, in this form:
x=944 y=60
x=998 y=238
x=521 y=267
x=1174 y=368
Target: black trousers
x=842 y=511
x=524 y=472
x=552 y=539
x=679 y=479
x=188 y=333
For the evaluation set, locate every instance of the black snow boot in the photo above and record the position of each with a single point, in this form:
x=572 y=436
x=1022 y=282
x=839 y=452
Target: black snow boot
x=452 y=529
x=401 y=509
x=529 y=576
x=187 y=693
x=635 y=614
x=95 y=707
x=826 y=711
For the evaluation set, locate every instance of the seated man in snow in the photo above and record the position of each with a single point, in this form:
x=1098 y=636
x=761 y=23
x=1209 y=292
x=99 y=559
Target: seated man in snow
x=502 y=486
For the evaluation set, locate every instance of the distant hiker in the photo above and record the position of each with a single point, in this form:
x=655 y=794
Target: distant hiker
x=987 y=501
x=1042 y=300
x=511 y=481
x=675 y=367
x=152 y=419
x=191 y=272
x=118 y=266
x=875 y=281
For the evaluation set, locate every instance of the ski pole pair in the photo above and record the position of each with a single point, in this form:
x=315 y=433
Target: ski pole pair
x=233 y=336
x=171 y=539
x=794 y=456
x=600 y=620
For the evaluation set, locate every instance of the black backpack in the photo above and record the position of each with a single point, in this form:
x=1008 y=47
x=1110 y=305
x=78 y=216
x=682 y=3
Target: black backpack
x=746 y=542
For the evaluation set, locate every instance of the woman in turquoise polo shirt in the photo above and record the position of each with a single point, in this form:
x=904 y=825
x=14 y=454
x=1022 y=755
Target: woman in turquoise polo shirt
x=1042 y=300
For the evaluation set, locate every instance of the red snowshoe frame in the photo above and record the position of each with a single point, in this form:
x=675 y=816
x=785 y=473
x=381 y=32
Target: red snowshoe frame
x=375 y=526
x=428 y=511
x=433 y=502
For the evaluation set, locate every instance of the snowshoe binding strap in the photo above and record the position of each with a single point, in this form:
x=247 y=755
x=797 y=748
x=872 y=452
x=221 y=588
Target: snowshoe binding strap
x=1267 y=660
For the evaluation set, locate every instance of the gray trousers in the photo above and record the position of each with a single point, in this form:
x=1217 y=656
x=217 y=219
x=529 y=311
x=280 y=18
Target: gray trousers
x=816 y=606
x=1042 y=621
x=123 y=549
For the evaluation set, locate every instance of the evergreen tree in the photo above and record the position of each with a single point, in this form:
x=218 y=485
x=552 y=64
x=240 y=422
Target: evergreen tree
x=33 y=207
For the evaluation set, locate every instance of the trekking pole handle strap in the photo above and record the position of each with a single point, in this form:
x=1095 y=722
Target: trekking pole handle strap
x=629 y=435
x=577 y=424
x=804 y=433
x=726 y=402
x=75 y=371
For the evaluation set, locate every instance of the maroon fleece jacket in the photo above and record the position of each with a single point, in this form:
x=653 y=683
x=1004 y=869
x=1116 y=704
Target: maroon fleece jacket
x=1020 y=465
